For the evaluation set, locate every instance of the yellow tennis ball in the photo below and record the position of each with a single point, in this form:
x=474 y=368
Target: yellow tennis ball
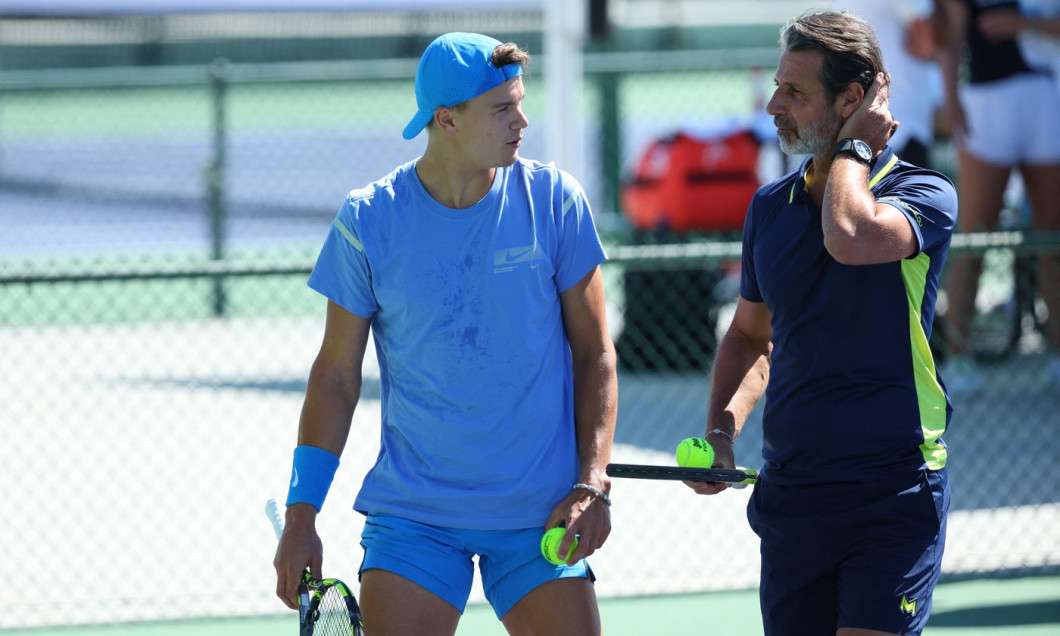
x=550 y=546
x=695 y=452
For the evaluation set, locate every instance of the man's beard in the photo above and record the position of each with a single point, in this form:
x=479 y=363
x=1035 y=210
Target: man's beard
x=816 y=138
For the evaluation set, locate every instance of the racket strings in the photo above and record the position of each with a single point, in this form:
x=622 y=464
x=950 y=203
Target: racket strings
x=333 y=614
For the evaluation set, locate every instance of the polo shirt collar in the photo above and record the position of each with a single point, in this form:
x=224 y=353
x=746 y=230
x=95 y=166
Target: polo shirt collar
x=878 y=168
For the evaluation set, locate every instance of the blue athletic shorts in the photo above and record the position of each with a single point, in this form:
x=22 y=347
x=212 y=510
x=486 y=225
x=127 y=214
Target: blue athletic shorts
x=850 y=555
x=440 y=560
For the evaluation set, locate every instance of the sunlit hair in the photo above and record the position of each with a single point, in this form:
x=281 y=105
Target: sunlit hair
x=510 y=53
x=848 y=44
x=503 y=55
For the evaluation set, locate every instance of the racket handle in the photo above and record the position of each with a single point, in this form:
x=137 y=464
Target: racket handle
x=739 y=485
x=272 y=510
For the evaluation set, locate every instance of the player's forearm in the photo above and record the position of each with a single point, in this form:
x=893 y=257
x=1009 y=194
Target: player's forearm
x=328 y=410
x=1002 y=25
x=956 y=20
x=1045 y=26
x=595 y=412
x=949 y=61
x=738 y=381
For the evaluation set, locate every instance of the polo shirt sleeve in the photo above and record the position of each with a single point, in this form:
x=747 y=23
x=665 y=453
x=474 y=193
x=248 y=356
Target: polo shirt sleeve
x=929 y=201
x=748 y=276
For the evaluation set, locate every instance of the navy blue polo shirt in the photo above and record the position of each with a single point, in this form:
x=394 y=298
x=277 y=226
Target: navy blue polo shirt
x=853 y=392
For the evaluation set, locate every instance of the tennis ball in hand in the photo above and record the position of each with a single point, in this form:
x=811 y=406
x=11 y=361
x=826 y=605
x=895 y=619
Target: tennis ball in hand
x=695 y=452
x=550 y=546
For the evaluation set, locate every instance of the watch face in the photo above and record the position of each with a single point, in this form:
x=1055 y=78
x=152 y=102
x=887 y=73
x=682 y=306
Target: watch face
x=862 y=149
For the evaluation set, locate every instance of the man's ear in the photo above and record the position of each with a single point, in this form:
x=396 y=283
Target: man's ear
x=849 y=100
x=443 y=117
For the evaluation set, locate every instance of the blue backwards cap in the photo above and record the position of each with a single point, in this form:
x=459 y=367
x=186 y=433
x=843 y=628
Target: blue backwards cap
x=453 y=69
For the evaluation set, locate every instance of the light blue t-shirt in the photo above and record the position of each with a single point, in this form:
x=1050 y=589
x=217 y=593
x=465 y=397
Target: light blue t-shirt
x=475 y=368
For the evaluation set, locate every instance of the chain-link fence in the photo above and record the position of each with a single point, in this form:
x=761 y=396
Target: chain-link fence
x=143 y=435
x=156 y=334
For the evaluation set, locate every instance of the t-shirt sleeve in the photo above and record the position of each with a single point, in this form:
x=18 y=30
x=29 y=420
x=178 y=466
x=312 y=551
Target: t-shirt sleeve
x=342 y=272
x=580 y=248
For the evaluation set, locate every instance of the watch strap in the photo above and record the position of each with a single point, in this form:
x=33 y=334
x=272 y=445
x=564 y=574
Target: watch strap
x=846 y=147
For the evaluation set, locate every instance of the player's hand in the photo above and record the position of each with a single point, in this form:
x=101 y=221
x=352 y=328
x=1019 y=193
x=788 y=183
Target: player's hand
x=724 y=457
x=586 y=516
x=872 y=121
x=300 y=548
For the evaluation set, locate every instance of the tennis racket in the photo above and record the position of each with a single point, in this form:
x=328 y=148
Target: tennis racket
x=325 y=608
x=738 y=477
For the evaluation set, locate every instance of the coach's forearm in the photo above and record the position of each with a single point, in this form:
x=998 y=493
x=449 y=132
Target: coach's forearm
x=848 y=212
x=738 y=381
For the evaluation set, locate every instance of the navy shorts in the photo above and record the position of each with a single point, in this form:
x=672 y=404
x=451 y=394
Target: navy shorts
x=862 y=555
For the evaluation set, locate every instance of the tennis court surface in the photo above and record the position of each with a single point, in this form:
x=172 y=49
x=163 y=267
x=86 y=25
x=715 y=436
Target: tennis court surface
x=998 y=607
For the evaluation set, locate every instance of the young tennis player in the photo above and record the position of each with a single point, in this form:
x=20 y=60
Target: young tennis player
x=477 y=274
x=841 y=264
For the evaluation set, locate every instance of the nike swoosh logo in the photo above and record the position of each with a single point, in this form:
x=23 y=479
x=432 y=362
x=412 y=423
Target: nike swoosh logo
x=512 y=257
x=294 y=480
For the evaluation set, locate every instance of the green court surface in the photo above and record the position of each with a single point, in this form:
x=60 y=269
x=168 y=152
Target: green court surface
x=998 y=607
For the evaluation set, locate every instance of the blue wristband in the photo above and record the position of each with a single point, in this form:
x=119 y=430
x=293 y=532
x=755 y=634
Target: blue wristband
x=311 y=476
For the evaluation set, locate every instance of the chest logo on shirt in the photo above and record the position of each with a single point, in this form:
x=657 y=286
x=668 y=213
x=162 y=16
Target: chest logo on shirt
x=510 y=258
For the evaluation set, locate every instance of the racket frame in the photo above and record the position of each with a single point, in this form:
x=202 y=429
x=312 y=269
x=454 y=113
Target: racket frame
x=311 y=591
x=316 y=590
x=738 y=477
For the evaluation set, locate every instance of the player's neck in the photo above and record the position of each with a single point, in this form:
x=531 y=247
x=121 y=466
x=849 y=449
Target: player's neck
x=452 y=184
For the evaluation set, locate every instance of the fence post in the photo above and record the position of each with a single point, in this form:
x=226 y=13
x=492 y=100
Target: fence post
x=611 y=139
x=215 y=178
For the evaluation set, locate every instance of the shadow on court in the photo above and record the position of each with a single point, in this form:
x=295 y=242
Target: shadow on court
x=371 y=389
x=1045 y=612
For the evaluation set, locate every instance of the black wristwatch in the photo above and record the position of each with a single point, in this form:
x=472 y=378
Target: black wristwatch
x=856 y=148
